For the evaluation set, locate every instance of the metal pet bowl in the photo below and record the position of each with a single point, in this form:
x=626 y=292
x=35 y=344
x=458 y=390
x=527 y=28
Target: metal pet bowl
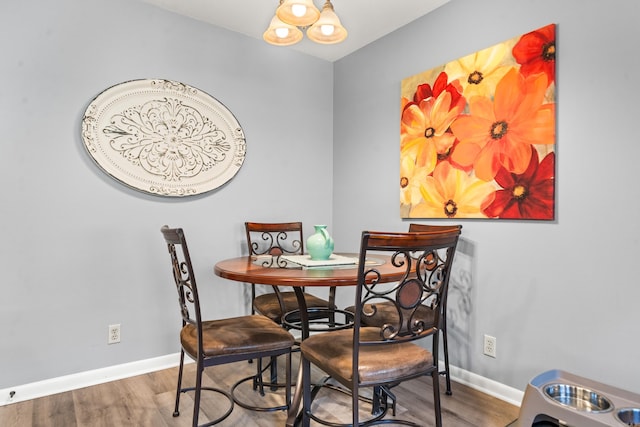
x=629 y=416
x=578 y=398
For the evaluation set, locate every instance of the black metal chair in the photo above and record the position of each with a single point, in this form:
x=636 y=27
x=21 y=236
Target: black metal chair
x=275 y=240
x=217 y=342
x=385 y=312
x=443 y=319
x=270 y=241
x=381 y=356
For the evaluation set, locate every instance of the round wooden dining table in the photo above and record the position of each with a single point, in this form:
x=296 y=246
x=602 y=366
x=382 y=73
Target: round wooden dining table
x=251 y=269
x=275 y=271
x=259 y=270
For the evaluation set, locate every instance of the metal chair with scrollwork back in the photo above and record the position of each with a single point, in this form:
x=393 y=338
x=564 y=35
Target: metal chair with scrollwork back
x=388 y=354
x=385 y=311
x=221 y=341
x=443 y=321
x=269 y=241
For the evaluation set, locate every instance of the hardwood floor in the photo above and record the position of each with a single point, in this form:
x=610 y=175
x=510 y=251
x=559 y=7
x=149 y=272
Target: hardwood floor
x=147 y=401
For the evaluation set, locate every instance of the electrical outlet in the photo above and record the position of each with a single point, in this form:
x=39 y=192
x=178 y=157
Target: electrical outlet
x=489 y=348
x=114 y=334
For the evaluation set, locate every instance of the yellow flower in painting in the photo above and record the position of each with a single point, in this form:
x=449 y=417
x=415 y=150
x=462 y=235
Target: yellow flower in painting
x=423 y=130
x=410 y=179
x=479 y=72
x=451 y=193
x=500 y=132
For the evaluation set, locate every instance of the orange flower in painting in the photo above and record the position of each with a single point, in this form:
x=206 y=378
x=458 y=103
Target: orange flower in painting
x=499 y=133
x=526 y=196
x=536 y=52
x=423 y=129
x=403 y=103
x=451 y=193
x=449 y=158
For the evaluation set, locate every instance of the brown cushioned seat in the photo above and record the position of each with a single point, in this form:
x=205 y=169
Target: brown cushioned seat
x=237 y=335
x=333 y=353
x=269 y=306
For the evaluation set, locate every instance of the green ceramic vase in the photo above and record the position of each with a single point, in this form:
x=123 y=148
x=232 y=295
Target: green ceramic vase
x=320 y=244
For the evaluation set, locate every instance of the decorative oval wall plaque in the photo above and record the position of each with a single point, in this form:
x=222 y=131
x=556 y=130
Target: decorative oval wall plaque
x=163 y=137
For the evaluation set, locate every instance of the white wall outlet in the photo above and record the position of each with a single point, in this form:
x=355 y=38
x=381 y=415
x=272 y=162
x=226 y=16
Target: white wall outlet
x=489 y=347
x=114 y=334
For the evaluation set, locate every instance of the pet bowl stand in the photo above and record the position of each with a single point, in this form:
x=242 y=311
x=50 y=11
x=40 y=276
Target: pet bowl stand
x=536 y=403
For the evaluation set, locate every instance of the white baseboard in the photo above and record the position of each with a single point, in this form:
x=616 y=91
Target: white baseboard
x=86 y=379
x=125 y=370
x=492 y=388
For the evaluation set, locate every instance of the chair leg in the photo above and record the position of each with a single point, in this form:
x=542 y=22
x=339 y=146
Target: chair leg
x=176 y=410
x=435 y=376
x=355 y=405
x=288 y=381
x=253 y=310
x=384 y=394
x=198 y=389
x=274 y=373
x=306 y=391
x=446 y=354
x=257 y=380
x=377 y=399
x=258 y=383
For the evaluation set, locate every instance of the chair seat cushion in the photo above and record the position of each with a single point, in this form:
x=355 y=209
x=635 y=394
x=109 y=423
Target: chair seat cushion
x=236 y=335
x=386 y=312
x=268 y=305
x=333 y=353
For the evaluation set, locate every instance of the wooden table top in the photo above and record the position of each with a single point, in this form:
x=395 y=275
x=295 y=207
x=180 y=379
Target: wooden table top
x=248 y=269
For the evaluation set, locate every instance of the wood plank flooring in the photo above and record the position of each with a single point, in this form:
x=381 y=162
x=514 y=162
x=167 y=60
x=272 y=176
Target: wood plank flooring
x=147 y=401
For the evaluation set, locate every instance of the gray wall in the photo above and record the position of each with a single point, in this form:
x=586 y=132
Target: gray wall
x=559 y=294
x=81 y=251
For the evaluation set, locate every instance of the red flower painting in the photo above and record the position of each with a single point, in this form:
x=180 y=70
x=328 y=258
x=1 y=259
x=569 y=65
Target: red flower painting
x=491 y=116
x=527 y=195
x=536 y=52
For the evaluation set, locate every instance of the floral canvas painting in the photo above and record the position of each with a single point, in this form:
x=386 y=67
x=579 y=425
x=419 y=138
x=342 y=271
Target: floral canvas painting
x=477 y=135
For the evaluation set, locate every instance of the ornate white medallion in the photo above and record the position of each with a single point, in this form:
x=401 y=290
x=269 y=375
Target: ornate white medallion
x=163 y=137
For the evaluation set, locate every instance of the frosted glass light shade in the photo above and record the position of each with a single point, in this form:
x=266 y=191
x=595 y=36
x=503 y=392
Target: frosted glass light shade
x=282 y=34
x=327 y=29
x=291 y=12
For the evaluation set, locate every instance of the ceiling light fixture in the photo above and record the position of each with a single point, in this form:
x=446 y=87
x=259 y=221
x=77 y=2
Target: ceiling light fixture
x=293 y=16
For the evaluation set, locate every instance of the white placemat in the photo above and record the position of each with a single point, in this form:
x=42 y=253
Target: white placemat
x=306 y=261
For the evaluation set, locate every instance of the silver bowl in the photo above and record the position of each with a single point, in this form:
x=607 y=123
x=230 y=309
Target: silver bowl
x=629 y=416
x=578 y=398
